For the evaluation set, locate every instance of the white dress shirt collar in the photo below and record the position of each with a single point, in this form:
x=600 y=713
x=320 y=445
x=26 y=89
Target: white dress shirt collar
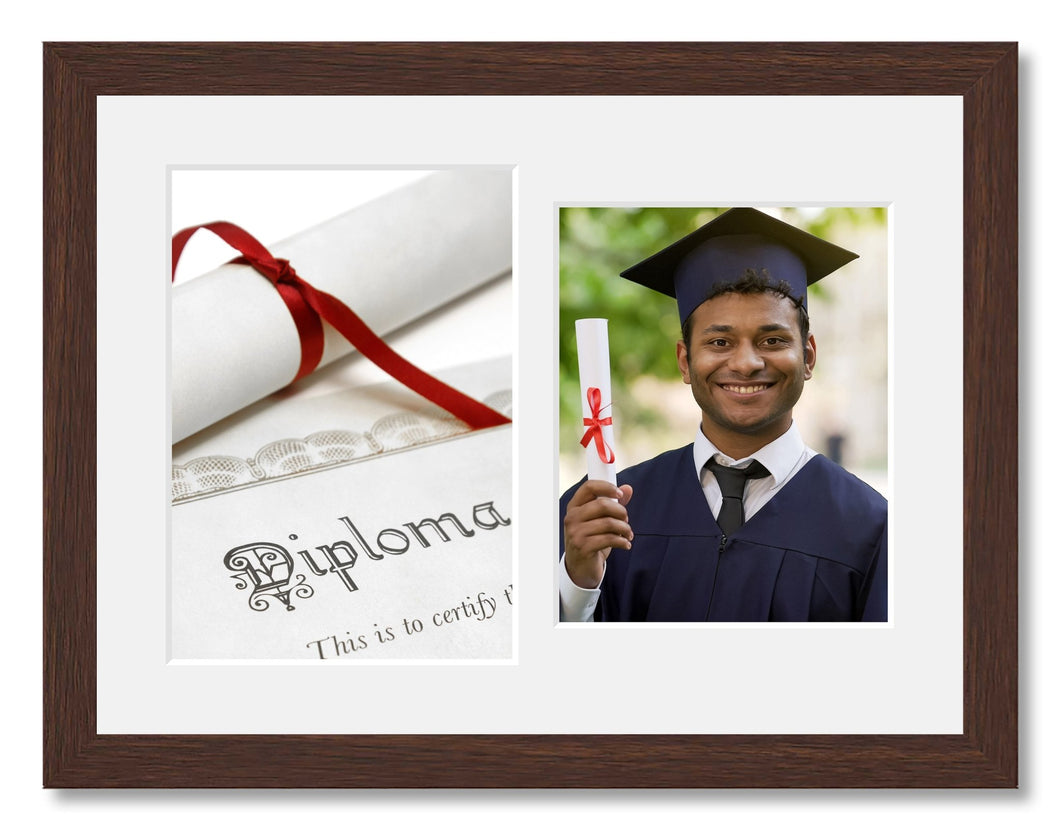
x=781 y=457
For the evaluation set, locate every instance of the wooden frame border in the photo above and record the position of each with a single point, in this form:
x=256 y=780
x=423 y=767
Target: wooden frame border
x=983 y=74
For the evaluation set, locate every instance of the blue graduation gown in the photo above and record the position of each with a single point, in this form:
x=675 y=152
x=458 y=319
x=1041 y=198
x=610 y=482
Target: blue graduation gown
x=816 y=552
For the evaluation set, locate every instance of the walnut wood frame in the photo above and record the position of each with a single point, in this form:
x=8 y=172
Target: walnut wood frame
x=984 y=74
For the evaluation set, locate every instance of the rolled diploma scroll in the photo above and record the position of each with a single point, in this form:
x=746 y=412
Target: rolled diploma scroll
x=391 y=260
x=594 y=370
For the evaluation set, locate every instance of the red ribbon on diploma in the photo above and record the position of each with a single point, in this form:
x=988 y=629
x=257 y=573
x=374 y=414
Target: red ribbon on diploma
x=595 y=432
x=308 y=305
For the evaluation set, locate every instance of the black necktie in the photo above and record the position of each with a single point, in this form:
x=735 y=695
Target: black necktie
x=731 y=480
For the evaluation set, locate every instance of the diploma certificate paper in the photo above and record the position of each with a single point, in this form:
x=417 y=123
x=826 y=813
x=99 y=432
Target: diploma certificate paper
x=346 y=518
x=371 y=526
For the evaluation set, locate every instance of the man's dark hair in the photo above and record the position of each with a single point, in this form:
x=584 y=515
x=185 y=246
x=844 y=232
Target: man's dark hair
x=755 y=282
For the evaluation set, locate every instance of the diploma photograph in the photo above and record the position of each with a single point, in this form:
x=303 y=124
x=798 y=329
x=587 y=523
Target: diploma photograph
x=325 y=514
x=777 y=509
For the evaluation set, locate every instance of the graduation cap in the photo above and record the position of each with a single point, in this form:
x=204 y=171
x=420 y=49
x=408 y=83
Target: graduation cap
x=725 y=248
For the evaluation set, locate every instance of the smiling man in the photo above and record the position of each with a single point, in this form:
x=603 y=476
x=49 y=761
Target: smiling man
x=747 y=523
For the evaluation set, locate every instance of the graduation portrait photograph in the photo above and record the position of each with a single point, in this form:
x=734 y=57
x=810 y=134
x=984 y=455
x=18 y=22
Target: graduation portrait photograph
x=724 y=414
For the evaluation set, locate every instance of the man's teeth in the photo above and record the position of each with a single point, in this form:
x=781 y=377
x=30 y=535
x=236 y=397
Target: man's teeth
x=746 y=390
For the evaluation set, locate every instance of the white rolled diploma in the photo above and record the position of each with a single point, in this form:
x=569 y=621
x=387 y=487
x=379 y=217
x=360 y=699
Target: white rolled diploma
x=594 y=370
x=391 y=261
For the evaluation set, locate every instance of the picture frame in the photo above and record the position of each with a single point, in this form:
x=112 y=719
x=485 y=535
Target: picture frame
x=985 y=754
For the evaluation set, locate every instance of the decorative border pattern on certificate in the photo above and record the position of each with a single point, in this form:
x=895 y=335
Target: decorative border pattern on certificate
x=211 y=475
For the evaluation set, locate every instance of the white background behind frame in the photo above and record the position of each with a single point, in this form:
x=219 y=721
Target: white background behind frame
x=1022 y=20
x=904 y=678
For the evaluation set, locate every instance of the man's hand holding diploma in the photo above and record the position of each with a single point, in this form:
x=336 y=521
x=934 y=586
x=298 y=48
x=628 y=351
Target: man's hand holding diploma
x=596 y=521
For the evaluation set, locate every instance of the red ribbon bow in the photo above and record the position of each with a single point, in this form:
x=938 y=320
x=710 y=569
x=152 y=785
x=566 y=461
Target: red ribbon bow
x=308 y=305
x=595 y=432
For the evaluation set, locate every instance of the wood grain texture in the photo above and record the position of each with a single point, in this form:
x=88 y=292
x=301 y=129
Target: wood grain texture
x=984 y=74
x=991 y=440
